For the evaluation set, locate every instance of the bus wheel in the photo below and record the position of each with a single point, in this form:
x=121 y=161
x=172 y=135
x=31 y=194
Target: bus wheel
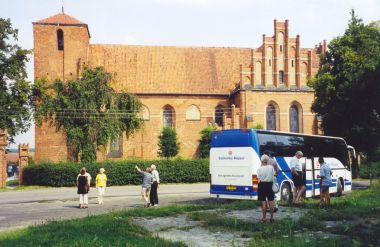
x=286 y=194
x=339 y=187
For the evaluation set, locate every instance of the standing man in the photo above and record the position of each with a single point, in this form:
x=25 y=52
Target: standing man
x=297 y=177
x=146 y=185
x=325 y=176
x=156 y=181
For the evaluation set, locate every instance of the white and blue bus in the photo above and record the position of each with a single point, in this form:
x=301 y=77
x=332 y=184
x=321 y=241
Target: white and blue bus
x=235 y=158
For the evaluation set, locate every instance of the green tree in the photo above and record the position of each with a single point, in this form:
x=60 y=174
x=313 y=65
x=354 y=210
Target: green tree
x=15 y=90
x=256 y=126
x=168 y=145
x=88 y=110
x=205 y=141
x=347 y=87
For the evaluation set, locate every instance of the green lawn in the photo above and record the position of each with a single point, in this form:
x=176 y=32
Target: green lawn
x=356 y=214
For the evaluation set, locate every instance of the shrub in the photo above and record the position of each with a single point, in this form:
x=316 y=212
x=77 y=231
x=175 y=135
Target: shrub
x=205 y=141
x=168 y=145
x=256 y=126
x=118 y=172
x=369 y=169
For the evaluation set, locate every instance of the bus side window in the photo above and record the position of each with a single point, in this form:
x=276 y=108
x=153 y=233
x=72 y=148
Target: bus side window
x=267 y=143
x=287 y=146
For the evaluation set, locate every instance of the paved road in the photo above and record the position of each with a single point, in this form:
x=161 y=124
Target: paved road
x=30 y=207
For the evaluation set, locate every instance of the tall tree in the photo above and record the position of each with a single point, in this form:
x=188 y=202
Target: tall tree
x=347 y=87
x=88 y=110
x=168 y=145
x=15 y=90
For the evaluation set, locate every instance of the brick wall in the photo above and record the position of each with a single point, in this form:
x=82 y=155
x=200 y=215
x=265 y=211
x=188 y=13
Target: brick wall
x=181 y=77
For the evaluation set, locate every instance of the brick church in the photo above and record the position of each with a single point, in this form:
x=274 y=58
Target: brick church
x=187 y=88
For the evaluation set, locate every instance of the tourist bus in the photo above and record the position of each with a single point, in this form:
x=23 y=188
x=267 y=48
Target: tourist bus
x=235 y=157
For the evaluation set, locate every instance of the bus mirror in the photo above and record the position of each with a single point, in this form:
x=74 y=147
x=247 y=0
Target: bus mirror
x=351 y=151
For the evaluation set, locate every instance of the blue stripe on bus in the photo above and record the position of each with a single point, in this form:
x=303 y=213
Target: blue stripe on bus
x=281 y=176
x=240 y=190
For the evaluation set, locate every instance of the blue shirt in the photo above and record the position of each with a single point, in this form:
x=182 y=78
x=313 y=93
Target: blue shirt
x=326 y=174
x=147 y=179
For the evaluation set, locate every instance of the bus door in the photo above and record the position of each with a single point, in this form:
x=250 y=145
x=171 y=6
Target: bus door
x=316 y=172
x=310 y=178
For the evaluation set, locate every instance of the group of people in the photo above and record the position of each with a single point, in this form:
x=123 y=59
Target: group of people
x=267 y=174
x=150 y=178
x=83 y=185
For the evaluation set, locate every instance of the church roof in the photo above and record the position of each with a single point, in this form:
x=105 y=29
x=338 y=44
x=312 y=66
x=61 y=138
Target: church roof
x=170 y=69
x=61 y=19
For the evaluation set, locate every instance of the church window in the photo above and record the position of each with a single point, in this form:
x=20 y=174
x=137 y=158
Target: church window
x=193 y=113
x=292 y=63
x=281 y=76
x=294 y=119
x=280 y=48
x=271 y=117
x=270 y=62
x=219 y=115
x=60 y=39
x=168 y=115
x=115 y=150
x=144 y=113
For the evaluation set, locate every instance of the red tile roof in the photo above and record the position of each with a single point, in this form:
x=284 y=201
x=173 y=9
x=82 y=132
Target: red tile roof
x=60 y=18
x=63 y=20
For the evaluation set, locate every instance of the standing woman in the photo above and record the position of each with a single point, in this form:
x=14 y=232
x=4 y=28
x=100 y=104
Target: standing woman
x=83 y=188
x=153 y=191
x=265 y=174
x=101 y=184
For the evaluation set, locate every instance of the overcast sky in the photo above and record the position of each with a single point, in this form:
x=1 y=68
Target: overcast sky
x=229 y=23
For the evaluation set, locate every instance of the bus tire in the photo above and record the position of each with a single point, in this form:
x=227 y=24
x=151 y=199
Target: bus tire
x=286 y=193
x=339 y=187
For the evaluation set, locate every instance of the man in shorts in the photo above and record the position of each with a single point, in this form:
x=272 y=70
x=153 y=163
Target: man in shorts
x=297 y=177
x=325 y=176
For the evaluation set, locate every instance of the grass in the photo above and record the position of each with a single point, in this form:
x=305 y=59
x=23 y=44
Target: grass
x=103 y=230
x=356 y=214
x=113 y=229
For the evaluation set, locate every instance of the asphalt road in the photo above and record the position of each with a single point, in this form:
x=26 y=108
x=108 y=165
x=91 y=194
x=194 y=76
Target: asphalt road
x=30 y=207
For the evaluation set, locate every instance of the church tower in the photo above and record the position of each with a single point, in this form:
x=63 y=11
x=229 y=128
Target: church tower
x=61 y=46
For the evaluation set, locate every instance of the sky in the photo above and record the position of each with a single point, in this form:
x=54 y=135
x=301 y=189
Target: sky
x=212 y=23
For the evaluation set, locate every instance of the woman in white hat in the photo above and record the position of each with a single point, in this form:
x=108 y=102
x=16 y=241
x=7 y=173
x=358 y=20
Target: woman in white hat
x=101 y=184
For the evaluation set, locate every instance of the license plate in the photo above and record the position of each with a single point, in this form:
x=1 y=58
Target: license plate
x=231 y=187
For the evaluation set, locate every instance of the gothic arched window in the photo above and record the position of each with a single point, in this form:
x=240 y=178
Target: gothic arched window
x=219 y=115
x=168 y=115
x=294 y=119
x=60 y=39
x=271 y=117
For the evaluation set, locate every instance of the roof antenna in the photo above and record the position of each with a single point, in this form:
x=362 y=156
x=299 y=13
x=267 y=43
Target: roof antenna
x=62 y=7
